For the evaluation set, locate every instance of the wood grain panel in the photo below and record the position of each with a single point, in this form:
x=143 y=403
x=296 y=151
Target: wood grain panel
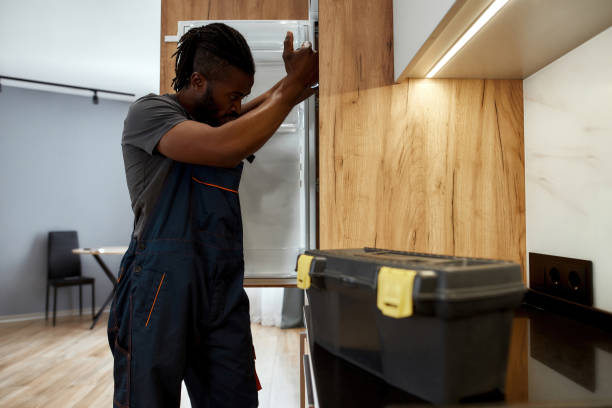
x=174 y=11
x=355 y=64
x=517 y=379
x=356 y=45
x=427 y=165
x=453 y=169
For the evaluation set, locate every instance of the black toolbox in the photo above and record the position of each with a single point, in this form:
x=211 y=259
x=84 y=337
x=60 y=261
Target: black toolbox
x=435 y=326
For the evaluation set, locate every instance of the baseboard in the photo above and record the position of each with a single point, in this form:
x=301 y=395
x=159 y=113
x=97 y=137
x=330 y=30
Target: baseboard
x=41 y=315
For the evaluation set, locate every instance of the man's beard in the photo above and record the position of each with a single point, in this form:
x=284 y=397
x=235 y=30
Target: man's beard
x=207 y=112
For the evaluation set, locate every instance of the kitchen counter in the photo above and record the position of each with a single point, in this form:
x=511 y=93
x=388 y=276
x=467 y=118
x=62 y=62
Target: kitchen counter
x=554 y=362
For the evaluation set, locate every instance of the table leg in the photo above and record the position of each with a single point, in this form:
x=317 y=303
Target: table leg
x=106 y=302
x=113 y=279
x=107 y=271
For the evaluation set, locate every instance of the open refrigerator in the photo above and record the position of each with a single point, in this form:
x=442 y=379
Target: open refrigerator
x=278 y=189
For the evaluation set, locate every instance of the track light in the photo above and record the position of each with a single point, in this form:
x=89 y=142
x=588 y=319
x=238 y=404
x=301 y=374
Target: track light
x=95 y=97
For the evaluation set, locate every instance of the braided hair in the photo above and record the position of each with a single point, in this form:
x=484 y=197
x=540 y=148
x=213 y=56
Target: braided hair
x=209 y=50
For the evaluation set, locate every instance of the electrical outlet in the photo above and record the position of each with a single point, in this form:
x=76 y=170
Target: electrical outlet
x=567 y=278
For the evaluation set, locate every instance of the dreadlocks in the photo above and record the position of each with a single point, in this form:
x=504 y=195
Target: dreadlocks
x=209 y=50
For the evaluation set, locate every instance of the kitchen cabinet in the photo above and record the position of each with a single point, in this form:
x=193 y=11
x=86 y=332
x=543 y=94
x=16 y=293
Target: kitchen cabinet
x=523 y=37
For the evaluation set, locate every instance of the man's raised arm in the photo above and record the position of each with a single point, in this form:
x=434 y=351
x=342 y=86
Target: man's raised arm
x=225 y=146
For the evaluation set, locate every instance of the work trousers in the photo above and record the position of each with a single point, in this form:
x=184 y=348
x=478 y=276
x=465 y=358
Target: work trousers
x=180 y=311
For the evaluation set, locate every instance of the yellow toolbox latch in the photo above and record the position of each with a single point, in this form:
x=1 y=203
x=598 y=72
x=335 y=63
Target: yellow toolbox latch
x=394 y=296
x=303 y=271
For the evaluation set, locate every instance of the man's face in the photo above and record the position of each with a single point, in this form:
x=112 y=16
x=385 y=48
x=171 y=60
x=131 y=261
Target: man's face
x=221 y=100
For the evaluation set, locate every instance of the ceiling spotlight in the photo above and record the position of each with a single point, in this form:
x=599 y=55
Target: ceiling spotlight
x=95 y=97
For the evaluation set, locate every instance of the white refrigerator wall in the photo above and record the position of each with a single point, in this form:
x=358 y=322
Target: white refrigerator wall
x=568 y=160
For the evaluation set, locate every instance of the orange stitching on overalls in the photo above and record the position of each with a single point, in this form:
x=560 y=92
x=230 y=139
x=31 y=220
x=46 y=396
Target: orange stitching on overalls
x=155 y=300
x=214 y=185
x=120 y=275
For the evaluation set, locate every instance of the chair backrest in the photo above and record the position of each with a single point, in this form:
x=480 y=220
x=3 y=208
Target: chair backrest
x=61 y=262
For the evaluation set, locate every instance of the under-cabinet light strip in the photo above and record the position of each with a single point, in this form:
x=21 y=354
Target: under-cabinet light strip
x=482 y=20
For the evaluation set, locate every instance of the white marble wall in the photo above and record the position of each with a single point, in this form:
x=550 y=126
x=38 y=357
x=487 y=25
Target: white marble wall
x=568 y=160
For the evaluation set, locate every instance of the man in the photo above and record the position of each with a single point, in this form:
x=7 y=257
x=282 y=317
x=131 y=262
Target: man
x=180 y=311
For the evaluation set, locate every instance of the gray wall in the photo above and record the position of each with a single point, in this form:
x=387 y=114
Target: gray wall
x=62 y=168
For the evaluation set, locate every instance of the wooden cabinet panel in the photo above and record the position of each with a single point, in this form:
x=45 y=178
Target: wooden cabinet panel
x=356 y=45
x=426 y=165
x=174 y=11
x=517 y=377
x=452 y=167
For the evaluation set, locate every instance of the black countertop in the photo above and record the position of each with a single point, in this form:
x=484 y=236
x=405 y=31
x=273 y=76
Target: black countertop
x=554 y=361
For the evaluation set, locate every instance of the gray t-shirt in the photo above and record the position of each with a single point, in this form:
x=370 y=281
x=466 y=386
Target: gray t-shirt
x=148 y=119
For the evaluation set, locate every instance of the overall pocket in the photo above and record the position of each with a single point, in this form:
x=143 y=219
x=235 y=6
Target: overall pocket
x=216 y=216
x=153 y=304
x=149 y=295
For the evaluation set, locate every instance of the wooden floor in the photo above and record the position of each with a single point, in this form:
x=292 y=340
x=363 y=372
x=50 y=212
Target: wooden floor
x=71 y=366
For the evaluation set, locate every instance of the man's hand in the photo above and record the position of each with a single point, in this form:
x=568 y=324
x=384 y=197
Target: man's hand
x=302 y=65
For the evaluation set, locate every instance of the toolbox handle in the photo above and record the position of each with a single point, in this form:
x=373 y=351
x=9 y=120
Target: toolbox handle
x=348 y=281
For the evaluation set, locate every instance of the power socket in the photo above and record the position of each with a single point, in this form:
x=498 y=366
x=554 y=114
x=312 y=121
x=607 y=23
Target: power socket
x=567 y=278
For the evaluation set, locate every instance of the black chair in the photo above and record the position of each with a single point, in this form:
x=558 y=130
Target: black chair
x=64 y=268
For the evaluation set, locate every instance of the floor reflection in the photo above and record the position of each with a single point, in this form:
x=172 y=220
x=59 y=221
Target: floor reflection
x=568 y=360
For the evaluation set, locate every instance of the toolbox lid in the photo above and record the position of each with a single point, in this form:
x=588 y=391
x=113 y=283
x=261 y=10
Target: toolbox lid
x=417 y=283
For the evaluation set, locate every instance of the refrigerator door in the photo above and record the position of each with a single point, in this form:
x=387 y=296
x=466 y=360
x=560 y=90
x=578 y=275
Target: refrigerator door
x=276 y=189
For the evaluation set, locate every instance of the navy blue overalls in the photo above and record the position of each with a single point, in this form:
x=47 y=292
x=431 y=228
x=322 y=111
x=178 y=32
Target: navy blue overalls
x=180 y=310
